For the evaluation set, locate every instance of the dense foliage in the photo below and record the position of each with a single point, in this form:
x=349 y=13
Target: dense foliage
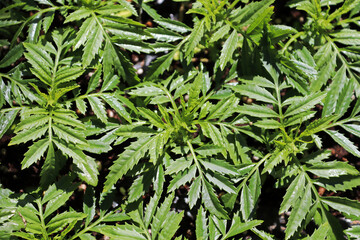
x=232 y=102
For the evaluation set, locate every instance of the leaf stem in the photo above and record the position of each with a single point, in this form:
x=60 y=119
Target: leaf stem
x=195 y=159
x=41 y=215
x=292 y=39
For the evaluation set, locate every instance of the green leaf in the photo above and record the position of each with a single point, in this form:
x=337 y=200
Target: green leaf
x=332 y=169
x=201 y=229
x=326 y=61
x=182 y=178
x=94 y=81
x=154 y=118
x=228 y=49
x=125 y=232
x=344 y=142
x=220 y=166
x=238 y=227
x=160 y=65
x=35 y=152
x=209 y=150
x=147 y=91
x=347 y=37
x=256 y=92
x=194 y=193
x=353 y=232
x=318 y=125
x=98 y=107
x=257 y=111
x=77 y=15
x=342 y=183
x=195 y=37
x=173 y=220
x=92 y=45
x=345 y=205
x=69 y=134
x=211 y=202
x=14 y=54
x=164 y=35
x=221 y=182
x=160 y=216
x=84 y=32
x=6 y=120
x=127 y=160
x=339 y=82
x=293 y=193
x=299 y=212
x=68 y=73
x=58 y=222
x=304 y=104
x=268 y=124
x=220 y=33
x=81 y=105
x=134 y=45
x=29 y=134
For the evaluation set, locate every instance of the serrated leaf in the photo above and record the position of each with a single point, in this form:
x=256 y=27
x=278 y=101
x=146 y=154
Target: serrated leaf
x=201 y=229
x=332 y=169
x=347 y=37
x=304 y=104
x=164 y=35
x=126 y=161
x=94 y=80
x=221 y=182
x=211 y=202
x=318 y=125
x=69 y=134
x=98 y=107
x=29 y=134
x=195 y=37
x=332 y=96
x=81 y=105
x=117 y=106
x=220 y=166
x=147 y=91
x=92 y=45
x=152 y=117
x=84 y=32
x=342 y=204
x=344 y=142
x=228 y=49
x=326 y=61
x=6 y=120
x=255 y=92
x=160 y=216
x=341 y=183
x=182 y=178
x=58 y=222
x=134 y=45
x=220 y=33
x=209 y=150
x=194 y=192
x=77 y=15
x=268 y=124
x=257 y=111
x=125 y=232
x=35 y=152
x=173 y=219
x=298 y=213
x=238 y=227
x=68 y=73
x=293 y=192
x=14 y=54
x=160 y=65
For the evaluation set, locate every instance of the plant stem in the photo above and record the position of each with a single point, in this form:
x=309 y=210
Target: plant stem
x=41 y=215
x=292 y=39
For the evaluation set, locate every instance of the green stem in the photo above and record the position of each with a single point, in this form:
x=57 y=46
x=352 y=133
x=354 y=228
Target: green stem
x=89 y=227
x=43 y=226
x=258 y=164
x=195 y=159
x=292 y=39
